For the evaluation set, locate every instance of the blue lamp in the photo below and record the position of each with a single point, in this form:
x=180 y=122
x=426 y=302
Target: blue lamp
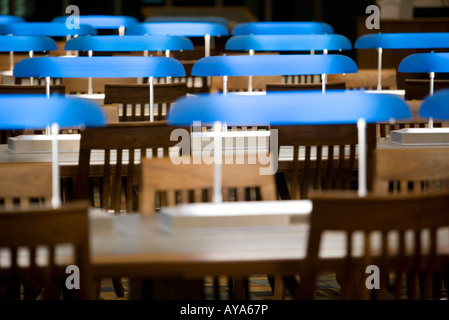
x=104 y=22
x=100 y=67
x=143 y=43
x=214 y=19
x=291 y=108
x=295 y=42
x=28 y=44
x=426 y=63
x=49 y=29
x=32 y=111
x=282 y=27
x=267 y=65
x=436 y=106
x=7 y=19
x=183 y=28
x=413 y=40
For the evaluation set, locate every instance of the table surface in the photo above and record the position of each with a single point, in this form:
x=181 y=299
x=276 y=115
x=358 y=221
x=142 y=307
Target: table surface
x=137 y=246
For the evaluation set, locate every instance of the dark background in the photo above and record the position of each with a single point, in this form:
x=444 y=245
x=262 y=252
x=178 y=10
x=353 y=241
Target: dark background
x=341 y=15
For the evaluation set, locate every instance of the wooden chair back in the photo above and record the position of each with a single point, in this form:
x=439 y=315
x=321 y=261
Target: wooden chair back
x=418 y=89
x=167 y=184
x=133 y=99
x=109 y=158
x=367 y=79
x=378 y=231
x=32 y=89
x=310 y=148
x=337 y=85
x=35 y=231
x=25 y=185
x=411 y=170
x=81 y=85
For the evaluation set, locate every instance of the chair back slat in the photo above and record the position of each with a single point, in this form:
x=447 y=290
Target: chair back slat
x=315 y=165
x=409 y=170
x=42 y=232
x=415 y=259
x=240 y=182
x=123 y=145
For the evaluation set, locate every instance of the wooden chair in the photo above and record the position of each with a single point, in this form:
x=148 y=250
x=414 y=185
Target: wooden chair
x=35 y=230
x=165 y=184
x=336 y=85
x=134 y=99
x=25 y=185
x=411 y=170
x=311 y=147
x=367 y=79
x=113 y=154
x=395 y=220
x=109 y=164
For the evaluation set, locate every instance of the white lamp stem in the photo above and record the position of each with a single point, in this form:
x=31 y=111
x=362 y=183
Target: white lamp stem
x=225 y=85
x=323 y=82
x=89 y=89
x=56 y=198
x=379 y=69
x=151 y=85
x=361 y=129
x=432 y=82
x=250 y=78
x=47 y=86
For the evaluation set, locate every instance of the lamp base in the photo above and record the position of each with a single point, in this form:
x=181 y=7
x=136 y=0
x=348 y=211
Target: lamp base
x=41 y=143
x=228 y=216
x=420 y=136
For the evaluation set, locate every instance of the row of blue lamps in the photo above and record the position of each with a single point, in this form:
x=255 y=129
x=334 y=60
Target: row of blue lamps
x=271 y=109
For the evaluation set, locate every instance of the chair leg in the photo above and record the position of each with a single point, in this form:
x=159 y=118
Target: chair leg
x=279 y=288
x=118 y=287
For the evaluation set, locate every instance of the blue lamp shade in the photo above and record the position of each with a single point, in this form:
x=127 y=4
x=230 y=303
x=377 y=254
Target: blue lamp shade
x=288 y=108
x=6 y=19
x=282 y=27
x=436 y=106
x=296 y=42
x=102 y=21
x=267 y=65
x=129 y=43
x=33 y=111
x=214 y=19
x=425 y=62
x=27 y=43
x=186 y=29
x=424 y=40
x=49 y=29
x=99 y=67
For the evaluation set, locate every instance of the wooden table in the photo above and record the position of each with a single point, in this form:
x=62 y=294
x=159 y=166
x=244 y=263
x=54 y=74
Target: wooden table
x=136 y=247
